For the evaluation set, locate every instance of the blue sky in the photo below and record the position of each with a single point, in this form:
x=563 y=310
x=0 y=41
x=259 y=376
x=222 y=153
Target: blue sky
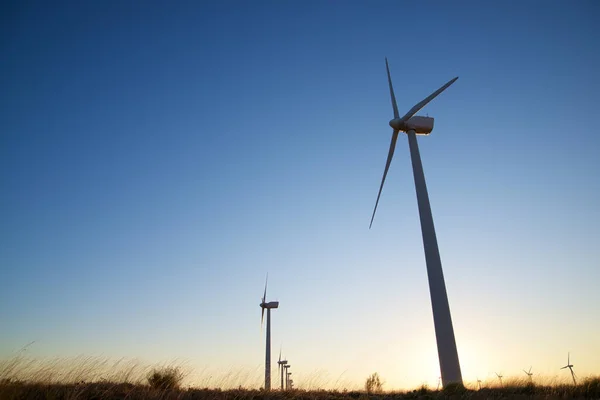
x=157 y=160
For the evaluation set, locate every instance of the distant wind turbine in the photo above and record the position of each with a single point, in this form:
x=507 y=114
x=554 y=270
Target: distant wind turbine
x=442 y=320
x=529 y=374
x=289 y=380
x=570 y=366
x=500 y=378
x=267 y=306
x=479 y=383
x=287 y=375
x=280 y=366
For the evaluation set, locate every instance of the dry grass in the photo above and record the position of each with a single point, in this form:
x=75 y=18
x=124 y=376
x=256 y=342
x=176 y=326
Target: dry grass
x=99 y=379
x=72 y=370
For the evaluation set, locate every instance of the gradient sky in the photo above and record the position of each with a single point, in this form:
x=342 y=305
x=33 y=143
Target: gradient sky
x=157 y=159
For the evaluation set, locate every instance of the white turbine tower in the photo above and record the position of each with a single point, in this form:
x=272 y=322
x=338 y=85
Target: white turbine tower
x=444 y=332
x=267 y=306
x=570 y=366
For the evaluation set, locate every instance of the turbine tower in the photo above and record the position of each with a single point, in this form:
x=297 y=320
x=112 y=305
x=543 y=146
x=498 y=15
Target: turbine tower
x=280 y=366
x=570 y=366
x=442 y=320
x=479 y=382
x=287 y=376
x=529 y=374
x=267 y=306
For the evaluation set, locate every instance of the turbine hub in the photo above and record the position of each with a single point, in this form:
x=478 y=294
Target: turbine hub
x=397 y=124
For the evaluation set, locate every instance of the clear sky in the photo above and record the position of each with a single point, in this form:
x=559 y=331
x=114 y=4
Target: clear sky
x=157 y=159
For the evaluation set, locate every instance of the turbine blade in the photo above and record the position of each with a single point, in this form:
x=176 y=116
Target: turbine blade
x=423 y=103
x=394 y=105
x=385 y=171
x=569 y=358
x=265 y=294
x=564 y=367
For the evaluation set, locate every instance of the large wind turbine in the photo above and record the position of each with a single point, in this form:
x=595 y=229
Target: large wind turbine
x=444 y=332
x=267 y=306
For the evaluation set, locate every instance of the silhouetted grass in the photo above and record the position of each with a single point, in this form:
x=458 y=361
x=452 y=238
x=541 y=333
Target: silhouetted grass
x=165 y=378
x=112 y=391
x=90 y=378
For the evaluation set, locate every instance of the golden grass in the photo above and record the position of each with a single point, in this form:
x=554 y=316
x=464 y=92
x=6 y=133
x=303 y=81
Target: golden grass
x=72 y=370
x=102 y=379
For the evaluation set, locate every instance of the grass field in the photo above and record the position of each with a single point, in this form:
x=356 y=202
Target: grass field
x=92 y=378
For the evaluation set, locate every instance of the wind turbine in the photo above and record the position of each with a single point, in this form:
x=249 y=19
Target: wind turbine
x=267 y=306
x=529 y=374
x=287 y=375
x=500 y=378
x=479 y=383
x=289 y=380
x=570 y=366
x=280 y=366
x=442 y=320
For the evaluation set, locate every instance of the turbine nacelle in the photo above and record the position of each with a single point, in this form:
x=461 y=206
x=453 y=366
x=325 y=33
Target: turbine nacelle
x=421 y=125
x=271 y=304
